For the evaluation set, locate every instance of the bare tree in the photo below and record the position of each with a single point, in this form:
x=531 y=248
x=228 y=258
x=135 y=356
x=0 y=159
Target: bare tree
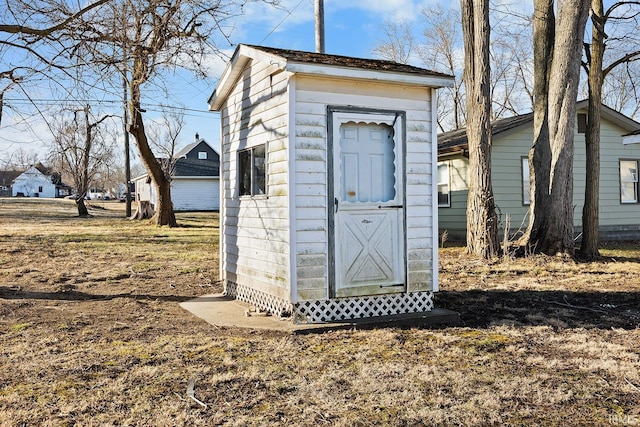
x=39 y=32
x=82 y=152
x=482 y=224
x=440 y=51
x=164 y=138
x=557 y=52
x=155 y=36
x=19 y=160
x=398 y=44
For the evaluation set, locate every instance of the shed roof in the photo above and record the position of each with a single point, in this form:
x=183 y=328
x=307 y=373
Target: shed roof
x=456 y=140
x=295 y=61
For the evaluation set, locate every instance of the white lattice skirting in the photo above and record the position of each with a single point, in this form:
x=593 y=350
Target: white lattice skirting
x=342 y=309
x=262 y=300
x=335 y=310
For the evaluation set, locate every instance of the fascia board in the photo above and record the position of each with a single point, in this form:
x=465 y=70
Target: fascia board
x=360 y=74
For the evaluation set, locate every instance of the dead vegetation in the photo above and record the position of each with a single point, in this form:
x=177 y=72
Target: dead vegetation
x=92 y=334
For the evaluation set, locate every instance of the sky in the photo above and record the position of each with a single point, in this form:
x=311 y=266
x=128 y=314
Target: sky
x=352 y=28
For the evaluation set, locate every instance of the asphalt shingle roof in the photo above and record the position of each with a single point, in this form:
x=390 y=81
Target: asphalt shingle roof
x=347 y=61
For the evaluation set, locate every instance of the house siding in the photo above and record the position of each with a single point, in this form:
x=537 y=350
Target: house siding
x=254 y=230
x=313 y=95
x=195 y=194
x=453 y=219
x=506 y=174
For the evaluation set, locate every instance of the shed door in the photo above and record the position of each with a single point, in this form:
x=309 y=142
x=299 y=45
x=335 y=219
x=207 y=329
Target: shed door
x=368 y=210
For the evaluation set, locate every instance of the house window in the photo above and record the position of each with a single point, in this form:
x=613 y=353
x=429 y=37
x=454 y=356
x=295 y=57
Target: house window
x=202 y=155
x=628 y=181
x=443 y=185
x=526 y=184
x=252 y=176
x=582 y=123
x=40 y=189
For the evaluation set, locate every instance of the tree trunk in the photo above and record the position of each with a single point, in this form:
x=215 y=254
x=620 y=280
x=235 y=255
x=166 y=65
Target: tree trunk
x=591 y=209
x=552 y=220
x=540 y=153
x=482 y=226
x=83 y=212
x=164 y=214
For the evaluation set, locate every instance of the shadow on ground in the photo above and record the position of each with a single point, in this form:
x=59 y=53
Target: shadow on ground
x=559 y=309
x=72 y=295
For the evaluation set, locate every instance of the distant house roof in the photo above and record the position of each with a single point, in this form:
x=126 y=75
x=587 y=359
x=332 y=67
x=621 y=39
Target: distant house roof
x=186 y=150
x=456 y=140
x=295 y=61
x=195 y=167
x=7 y=177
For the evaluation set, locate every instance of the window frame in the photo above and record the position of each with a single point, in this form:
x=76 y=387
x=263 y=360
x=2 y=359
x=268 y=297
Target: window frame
x=253 y=187
x=202 y=155
x=526 y=194
x=634 y=182
x=582 y=123
x=446 y=163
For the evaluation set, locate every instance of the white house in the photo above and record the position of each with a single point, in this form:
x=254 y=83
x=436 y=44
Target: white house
x=195 y=182
x=328 y=192
x=37 y=181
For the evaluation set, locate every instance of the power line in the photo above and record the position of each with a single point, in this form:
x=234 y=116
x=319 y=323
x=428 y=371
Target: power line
x=281 y=22
x=51 y=101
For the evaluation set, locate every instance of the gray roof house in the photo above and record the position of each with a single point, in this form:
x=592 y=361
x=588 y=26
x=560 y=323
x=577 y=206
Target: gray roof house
x=6 y=181
x=511 y=141
x=195 y=183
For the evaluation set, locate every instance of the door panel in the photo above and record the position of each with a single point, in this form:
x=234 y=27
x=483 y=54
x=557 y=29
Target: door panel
x=369 y=218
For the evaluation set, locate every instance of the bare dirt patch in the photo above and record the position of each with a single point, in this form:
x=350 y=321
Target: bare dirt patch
x=91 y=334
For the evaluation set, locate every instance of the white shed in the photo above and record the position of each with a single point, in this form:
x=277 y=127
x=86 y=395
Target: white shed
x=328 y=191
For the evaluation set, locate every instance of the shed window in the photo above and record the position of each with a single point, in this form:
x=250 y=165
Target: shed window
x=628 y=181
x=443 y=185
x=252 y=179
x=526 y=183
x=202 y=155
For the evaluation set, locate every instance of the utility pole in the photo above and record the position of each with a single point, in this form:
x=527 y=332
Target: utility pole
x=127 y=161
x=320 y=26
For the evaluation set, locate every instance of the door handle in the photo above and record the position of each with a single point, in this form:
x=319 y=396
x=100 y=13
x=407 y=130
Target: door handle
x=335 y=203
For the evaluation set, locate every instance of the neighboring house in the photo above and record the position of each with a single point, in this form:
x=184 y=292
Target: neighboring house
x=6 y=182
x=199 y=149
x=511 y=141
x=328 y=205
x=39 y=181
x=195 y=181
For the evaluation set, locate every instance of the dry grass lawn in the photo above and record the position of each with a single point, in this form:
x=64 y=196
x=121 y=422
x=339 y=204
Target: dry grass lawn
x=91 y=334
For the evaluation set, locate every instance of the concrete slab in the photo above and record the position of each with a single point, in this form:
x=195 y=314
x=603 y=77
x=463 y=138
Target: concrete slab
x=221 y=310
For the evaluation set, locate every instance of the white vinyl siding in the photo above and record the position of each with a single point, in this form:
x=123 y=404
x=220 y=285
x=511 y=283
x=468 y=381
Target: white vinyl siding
x=313 y=94
x=195 y=193
x=628 y=181
x=254 y=231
